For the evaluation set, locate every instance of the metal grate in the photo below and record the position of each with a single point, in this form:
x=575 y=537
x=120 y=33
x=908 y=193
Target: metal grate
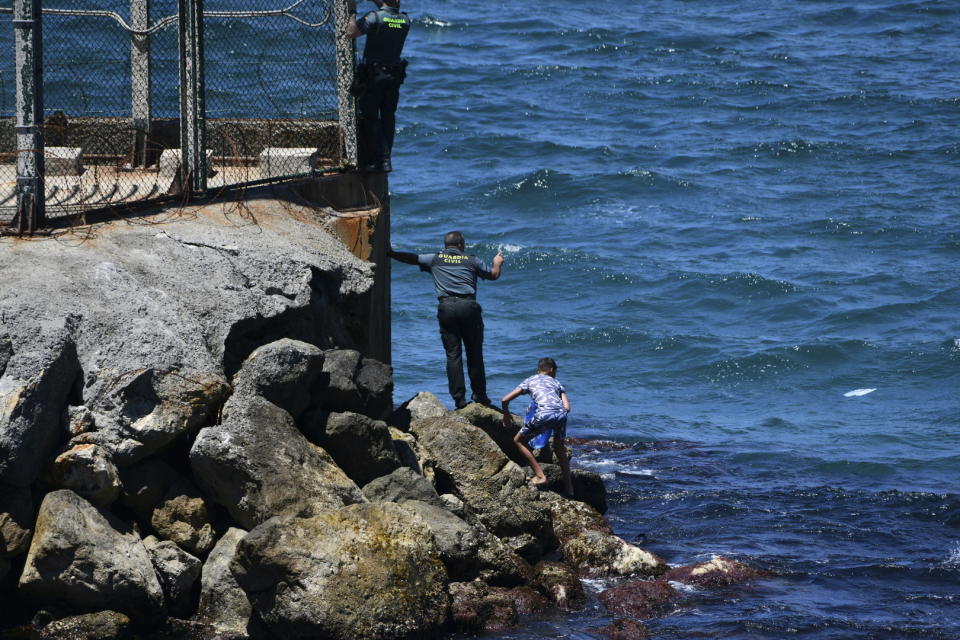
x=113 y=131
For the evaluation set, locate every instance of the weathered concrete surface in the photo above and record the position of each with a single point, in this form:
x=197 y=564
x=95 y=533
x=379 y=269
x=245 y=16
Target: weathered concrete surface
x=151 y=317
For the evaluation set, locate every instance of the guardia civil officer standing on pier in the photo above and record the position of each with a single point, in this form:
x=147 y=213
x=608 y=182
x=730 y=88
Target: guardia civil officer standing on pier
x=378 y=78
x=461 y=319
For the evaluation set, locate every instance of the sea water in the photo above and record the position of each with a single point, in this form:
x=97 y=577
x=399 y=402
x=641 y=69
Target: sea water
x=734 y=226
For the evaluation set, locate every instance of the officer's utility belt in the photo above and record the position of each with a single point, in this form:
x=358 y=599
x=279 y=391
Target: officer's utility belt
x=465 y=296
x=366 y=69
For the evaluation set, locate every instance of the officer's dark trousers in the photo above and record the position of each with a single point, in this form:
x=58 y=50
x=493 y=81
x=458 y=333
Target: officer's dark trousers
x=377 y=108
x=461 y=321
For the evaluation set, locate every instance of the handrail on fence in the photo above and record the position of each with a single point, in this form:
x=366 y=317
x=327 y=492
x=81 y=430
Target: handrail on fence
x=246 y=109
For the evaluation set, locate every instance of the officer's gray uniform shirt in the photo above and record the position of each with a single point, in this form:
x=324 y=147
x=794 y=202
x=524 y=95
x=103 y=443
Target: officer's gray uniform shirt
x=454 y=272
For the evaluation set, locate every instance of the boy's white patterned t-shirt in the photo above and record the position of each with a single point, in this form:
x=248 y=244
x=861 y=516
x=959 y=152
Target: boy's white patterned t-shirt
x=545 y=392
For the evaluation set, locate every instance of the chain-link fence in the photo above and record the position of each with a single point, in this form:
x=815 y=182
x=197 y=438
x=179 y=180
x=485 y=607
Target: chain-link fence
x=130 y=89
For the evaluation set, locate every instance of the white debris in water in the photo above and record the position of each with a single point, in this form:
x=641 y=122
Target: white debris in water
x=858 y=392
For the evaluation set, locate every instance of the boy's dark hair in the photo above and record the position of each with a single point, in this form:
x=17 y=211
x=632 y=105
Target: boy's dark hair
x=545 y=364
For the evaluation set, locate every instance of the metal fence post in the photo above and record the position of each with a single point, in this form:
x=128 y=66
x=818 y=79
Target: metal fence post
x=193 y=119
x=27 y=21
x=140 y=77
x=346 y=65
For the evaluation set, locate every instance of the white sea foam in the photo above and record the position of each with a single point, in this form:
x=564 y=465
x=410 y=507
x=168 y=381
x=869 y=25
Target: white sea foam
x=858 y=392
x=953 y=560
x=637 y=472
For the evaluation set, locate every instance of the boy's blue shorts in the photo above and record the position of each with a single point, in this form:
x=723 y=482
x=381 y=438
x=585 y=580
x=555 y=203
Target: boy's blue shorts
x=534 y=425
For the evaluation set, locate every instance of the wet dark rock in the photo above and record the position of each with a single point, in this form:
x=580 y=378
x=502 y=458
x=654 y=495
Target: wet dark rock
x=478 y=607
x=718 y=572
x=103 y=625
x=528 y=601
x=639 y=599
x=624 y=629
x=364 y=571
x=361 y=446
x=560 y=584
x=88 y=559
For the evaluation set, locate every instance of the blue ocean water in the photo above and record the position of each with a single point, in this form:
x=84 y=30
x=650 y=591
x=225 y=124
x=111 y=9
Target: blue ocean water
x=721 y=219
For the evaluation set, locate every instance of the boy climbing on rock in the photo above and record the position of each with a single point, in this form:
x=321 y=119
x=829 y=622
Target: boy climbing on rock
x=547 y=413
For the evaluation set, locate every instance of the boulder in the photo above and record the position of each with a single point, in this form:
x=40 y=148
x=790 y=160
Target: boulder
x=143 y=411
x=224 y=606
x=361 y=446
x=80 y=420
x=41 y=370
x=103 y=625
x=375 y=380
x=480 y=474
x=183 y=517
x=364 y=571
x=178 y=572
x=478 y=607
x=571 y=517
x=402 y=484
x=528 y=601
x=341 y=367
x=639 y=599
x=470 y=551
x=596 y=554
x=88 y=559
x=16 y=520
x=718 y=572
x=560 y=584
x=286 y=372
x=490 y=420
x=88 y=471
x=412 y=455
x=257 y=465
x=422 y=405
x=623 y=629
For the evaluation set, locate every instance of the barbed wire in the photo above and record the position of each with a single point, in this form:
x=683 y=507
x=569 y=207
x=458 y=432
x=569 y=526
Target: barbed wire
x=286 y=12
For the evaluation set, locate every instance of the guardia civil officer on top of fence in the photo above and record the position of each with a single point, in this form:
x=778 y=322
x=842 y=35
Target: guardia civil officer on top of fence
x=379 y=76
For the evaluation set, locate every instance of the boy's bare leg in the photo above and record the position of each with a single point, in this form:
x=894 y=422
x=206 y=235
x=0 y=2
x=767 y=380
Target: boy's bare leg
x=563 y=458
x=538 y=477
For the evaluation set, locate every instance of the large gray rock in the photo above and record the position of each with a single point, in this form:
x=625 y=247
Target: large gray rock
x=286 y=372
x=361 y=446
x=365 y=571
x=16 y=520
x=412 y=455
x=258 y=465
x=88 y=559
x=402 y=484
x=492 y=485
x=357 y=384
x=177 y=570
x=143 y=411
x=37 y=380
x=223 y=604
x=423 y=405
x=88 y=471
x=470 y=551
